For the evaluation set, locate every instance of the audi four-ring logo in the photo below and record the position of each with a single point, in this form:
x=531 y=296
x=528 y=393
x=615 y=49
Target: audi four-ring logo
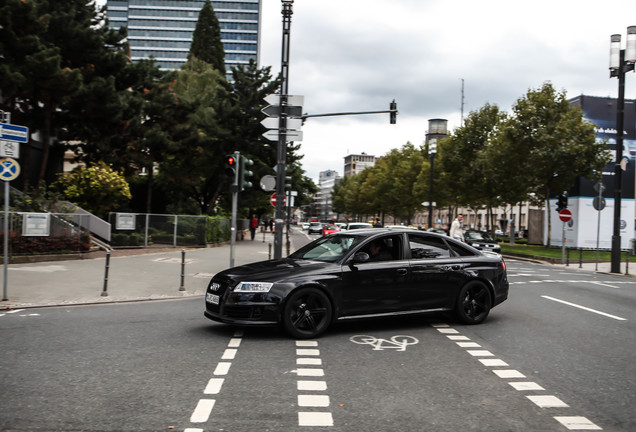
x=215 y=286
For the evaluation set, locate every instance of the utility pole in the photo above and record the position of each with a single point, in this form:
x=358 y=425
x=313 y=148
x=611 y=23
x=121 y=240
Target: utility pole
x=281 y=152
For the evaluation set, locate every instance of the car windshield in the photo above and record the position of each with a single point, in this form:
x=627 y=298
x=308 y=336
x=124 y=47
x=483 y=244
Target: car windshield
x=328 y=249
x=474 y=235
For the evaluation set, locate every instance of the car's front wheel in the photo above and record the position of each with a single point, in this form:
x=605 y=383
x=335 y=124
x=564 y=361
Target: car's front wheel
x=307 y=313
x=473 y=303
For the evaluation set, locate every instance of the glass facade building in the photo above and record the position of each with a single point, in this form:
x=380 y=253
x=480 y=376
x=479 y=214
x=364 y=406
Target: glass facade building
x=162 y=29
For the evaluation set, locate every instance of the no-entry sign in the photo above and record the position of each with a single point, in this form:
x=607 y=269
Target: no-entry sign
x=273 y=200
x=565 y=215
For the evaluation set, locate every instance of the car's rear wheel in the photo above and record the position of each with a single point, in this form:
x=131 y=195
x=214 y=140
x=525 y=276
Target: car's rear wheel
x=307 y=313
x=474 y=303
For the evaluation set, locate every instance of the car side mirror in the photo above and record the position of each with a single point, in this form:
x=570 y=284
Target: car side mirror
x=361 y=257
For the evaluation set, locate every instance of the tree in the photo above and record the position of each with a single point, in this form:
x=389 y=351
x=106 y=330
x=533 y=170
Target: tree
x=97 y=189
x=550 y=142
x=206 y=39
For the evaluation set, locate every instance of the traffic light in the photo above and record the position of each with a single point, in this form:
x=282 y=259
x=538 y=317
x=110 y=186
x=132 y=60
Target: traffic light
x=245 y=174
x=393 y=112
x=562 y=201
x=288 y=183
x=231 y=164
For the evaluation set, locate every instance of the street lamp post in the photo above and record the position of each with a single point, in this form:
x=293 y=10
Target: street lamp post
x=432 y=149
x=621 y=62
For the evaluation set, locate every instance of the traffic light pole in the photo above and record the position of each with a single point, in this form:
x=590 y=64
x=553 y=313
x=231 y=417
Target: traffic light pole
x=279 y=215
x=234 y=187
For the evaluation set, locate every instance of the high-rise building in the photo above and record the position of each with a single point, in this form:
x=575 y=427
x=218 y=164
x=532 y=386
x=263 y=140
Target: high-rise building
x=355 y=163
x=163 y=29
x=322 y=200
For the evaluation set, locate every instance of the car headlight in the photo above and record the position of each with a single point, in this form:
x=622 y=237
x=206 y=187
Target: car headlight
x=253 y=287
x=475 y=244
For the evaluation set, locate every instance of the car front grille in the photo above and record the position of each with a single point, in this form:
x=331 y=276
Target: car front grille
x=243 y=312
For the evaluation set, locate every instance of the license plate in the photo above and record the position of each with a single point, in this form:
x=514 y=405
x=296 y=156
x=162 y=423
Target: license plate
x=212 y=298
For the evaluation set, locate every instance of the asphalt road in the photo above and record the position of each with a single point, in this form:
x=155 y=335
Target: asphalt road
x=536 y=364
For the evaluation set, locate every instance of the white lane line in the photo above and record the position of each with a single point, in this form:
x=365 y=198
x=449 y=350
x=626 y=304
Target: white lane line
x=309 y=361
x=447 y=331
x=468 y=344
x=480 y=353
x=193 y=429
x=548 y=401
x=603 y=284
x=315 y=419
x=320 y=401
x=214 y=386
x=526 y=386
x=508 y=373
x=310 y=372
x=229 y=354
x=577 y=423
x=202 y=412
x=312 y=385
x=307 y=343
x=584 y=308
x=493 y=362
x=234 y=343
x=458 y=338
x=307 y=352
x=222 y=368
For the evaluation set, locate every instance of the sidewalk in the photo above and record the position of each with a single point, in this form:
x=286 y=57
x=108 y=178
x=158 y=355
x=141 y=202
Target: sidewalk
x=146 y=276
x=150 y=275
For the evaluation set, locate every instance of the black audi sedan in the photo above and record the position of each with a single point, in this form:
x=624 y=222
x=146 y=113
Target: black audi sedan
x=360 y=274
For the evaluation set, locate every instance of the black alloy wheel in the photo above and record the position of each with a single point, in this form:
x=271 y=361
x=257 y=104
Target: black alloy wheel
x=307 y=313
x=474 y=303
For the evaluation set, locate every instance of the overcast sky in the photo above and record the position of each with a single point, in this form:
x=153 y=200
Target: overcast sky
x=358 y=55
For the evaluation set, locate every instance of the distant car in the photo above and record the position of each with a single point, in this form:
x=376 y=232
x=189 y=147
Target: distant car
x=314 y=228
x=438 y=230
x=482 y=240
x=305 y=226
x=341 y=225
x=358 y=225
x=360 y=274
x=499 y=232
x=329 y=229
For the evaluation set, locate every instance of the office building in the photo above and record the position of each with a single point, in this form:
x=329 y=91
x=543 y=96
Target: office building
x=322 y=199
x=355 y=163
x=163 y=29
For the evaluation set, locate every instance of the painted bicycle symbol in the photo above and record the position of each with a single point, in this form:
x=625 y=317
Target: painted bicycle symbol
x=397 y=342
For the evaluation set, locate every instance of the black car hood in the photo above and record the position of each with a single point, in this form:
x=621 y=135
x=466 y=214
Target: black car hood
x=272 y=270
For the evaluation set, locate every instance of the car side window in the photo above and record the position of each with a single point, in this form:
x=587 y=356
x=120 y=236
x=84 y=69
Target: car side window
x=387 y=248
x=427 y=247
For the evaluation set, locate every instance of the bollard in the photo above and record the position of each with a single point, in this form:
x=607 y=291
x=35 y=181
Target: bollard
x=269 y=253
x=182 y=287
x=105 y=290
x=580 y=258
x=626 y=262
x=567 y=255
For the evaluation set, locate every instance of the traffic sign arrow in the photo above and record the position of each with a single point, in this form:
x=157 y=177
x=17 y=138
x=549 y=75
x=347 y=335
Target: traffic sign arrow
x=274 y=111
x=292 y=123
x=292 y=135
x=274 y=99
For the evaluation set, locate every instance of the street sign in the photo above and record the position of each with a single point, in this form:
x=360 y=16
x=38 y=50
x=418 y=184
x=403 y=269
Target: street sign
x=10 y=149
x=268 y=183
x=9 y=169
x=274 y=99
x=11 y=132
x=273 y=200
x=293 y=111
x=598 y=203
x=292 y=135
x=272 y=123
x=565 y=215
x=294 y=106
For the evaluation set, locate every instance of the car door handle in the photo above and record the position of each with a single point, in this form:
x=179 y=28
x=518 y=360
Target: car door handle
x=402 y=271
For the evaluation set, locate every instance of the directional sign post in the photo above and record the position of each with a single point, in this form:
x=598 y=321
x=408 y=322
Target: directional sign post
x=11 y=132
x=566 y=216
x=9 y=170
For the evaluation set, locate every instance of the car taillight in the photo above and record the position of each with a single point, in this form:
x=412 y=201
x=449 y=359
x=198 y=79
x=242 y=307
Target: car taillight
x=503 y=264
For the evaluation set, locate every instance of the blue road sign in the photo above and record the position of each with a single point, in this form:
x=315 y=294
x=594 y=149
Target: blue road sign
x=11 y=132
x=9 y=169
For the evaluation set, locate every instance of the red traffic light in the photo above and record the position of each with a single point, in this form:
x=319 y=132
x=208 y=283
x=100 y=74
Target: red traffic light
x=231 y=161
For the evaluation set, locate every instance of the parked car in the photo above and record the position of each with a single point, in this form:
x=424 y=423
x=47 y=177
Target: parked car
x=482 y=240
x=329 y=229
x=438 y=230
x=358 y=225
x=498 y=232
x=360 y=274
x=305 y=226
x=314 y=228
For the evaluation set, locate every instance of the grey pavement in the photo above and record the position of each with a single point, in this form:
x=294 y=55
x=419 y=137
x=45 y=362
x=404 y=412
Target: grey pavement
x=151 y=275
x=147 y=276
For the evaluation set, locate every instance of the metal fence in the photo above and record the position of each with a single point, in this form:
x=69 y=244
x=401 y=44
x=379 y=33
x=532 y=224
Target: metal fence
x=162 y=230
x=46 y=233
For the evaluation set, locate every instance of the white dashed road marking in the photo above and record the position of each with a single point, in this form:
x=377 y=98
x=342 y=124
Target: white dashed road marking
x=546 y=401
x=308 y=355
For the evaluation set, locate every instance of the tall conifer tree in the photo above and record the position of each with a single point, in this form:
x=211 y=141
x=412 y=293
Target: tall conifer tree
x=206 y=40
